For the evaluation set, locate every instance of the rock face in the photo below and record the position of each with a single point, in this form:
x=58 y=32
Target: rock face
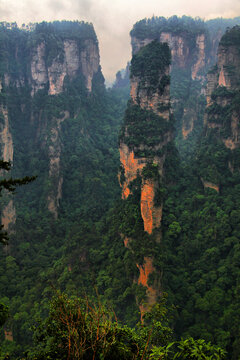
x=38 y=68
x=189 y=62
x=193 y=45
x=146 y=133
x=184 y=53
x=54 y=153
x=220 y=147
x=74 y=59
x=8 y=212
x=223 y=91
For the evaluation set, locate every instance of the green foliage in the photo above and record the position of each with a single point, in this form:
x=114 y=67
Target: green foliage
x=45 y=250
x=10 y=185
x=150 y=171
x=231 y=37
x=198 y=256
x=4 y=314
x=152 y=28
x=149 y=63
x=198 y=349
x=146 y=128
x=78 y=329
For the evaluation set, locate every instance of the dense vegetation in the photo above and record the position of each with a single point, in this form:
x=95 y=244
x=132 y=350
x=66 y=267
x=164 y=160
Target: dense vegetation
x=82 y=249
x=45 y=250
x=78 y=329
x=153 y=27
x=186 y=93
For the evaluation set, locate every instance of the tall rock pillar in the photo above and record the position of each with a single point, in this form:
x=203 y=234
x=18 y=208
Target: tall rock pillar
x=145 y=141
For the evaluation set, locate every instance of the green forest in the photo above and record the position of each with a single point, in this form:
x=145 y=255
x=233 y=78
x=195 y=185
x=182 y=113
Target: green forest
x=69 y=286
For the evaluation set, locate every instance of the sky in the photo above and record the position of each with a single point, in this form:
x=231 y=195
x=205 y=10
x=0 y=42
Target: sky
x=113 y=19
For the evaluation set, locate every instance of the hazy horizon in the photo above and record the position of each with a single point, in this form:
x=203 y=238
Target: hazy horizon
x=113 y=20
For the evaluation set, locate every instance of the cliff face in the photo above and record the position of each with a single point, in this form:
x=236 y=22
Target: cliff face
x=54 y=153
x=193 y=45
x=37 y=67
x=223 y=91
x=8 y=212
x=74 y=59
x=219 y=152
x=146 y=133
x=184 y=52
x=190 y=59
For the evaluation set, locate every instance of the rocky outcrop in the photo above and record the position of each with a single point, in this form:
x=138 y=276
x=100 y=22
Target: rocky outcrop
x=6 y=136
x=75 y=59
x=89 y=62
x=151 y=214
x=8 y=334
x=131 y=165
x=183 y=52
x=38 y=68
x=54 y=152
x=210 y=185
x=150 y=104
x=137 y=43
x=8 y=217
x=200 y=56
x=152 y=293
x=223 y=91
x=50 y=58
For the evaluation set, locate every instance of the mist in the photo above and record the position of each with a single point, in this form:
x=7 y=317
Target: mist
x=112 y=20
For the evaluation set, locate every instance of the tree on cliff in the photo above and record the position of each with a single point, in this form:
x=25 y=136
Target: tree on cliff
x=10 y=185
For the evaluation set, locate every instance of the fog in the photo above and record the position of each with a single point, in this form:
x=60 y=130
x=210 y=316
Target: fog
x=112 y=19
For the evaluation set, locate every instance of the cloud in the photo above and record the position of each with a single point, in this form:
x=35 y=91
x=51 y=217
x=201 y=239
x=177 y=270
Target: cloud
x=113 y=19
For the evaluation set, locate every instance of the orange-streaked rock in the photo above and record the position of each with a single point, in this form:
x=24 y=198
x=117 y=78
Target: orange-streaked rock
x=147 y=201
x=151 y=293
x=186 y=132
x=8 y=335
x=132 y=166
x=151 y=214
x=221 y=79
x=126 y=242
x=208 y=184
x=153 y=99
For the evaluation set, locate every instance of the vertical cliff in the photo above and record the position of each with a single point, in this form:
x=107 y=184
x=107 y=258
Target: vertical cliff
x=40 y=67
x=193 y=45
x=223 y=90
x=188 y=40
x=145 y=137
x=8 y=211
x=222 y=114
